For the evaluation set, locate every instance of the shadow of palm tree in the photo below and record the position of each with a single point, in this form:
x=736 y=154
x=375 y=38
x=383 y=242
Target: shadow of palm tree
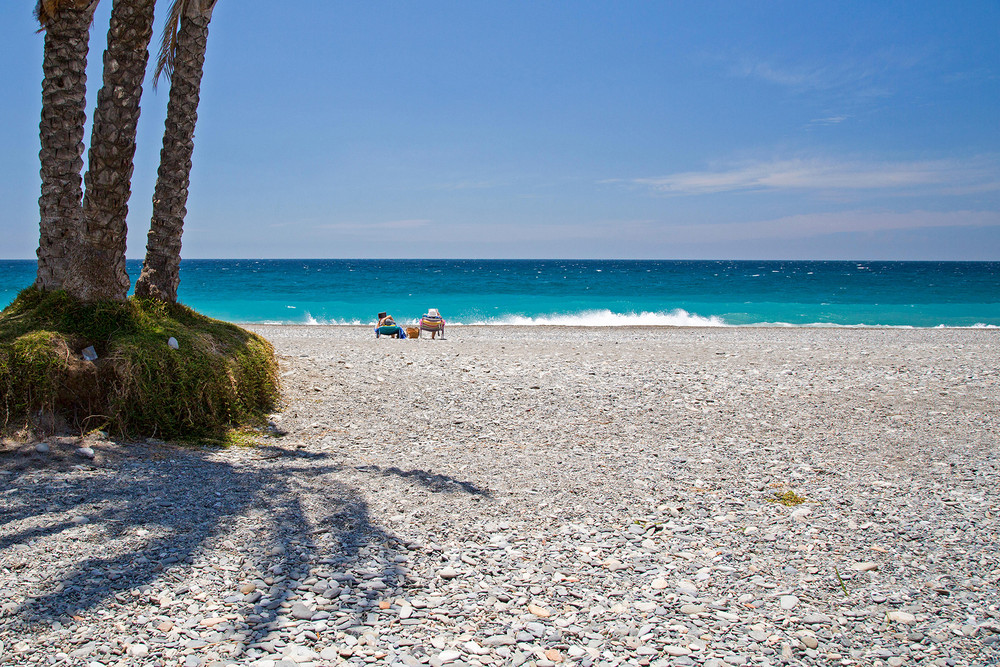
x=159 y=533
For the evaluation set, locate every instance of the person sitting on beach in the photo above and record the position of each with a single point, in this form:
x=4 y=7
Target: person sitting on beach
x=387 y=327
x=432 y=322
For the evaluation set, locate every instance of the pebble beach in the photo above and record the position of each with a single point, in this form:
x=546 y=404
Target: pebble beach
x=536 y=496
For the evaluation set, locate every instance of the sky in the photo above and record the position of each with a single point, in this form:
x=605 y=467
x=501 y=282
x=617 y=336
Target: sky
x=562 y=129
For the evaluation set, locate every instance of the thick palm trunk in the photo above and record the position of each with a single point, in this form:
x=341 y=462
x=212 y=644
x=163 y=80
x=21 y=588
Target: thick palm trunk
x=64 y=101
x=161 y=269
x=98 y=271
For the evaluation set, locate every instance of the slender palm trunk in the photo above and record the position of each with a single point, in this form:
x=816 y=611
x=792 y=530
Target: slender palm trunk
x=64 y=101
x=98 y=271
x=161 y=269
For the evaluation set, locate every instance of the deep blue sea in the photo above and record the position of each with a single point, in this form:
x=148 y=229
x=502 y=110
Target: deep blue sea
x=583 y=292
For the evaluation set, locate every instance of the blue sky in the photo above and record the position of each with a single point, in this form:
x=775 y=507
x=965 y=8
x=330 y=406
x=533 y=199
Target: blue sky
x=848 y=130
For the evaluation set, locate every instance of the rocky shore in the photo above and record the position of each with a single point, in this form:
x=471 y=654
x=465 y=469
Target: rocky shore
x=536 y=496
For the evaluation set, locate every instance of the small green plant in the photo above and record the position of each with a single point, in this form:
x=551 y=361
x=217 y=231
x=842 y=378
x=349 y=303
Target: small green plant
x=788 y=498
x=843 y=586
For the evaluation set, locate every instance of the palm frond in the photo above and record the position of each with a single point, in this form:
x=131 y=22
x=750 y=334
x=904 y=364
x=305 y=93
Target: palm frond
x=168 y=43
x=46 y=10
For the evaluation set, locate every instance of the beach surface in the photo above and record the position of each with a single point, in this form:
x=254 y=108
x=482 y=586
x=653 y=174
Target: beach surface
x=537 y=495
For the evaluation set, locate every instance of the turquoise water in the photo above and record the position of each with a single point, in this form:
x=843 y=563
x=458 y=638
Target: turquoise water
x=583 y=292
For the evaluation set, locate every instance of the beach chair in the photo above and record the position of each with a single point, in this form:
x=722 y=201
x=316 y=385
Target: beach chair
x=433 y=323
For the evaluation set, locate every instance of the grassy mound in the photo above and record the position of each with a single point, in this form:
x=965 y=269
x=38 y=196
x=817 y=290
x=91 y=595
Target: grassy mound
x=221 y=376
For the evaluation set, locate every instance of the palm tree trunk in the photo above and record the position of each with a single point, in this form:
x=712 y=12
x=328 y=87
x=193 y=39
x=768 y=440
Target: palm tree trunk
x=64 y=102
x=98 y=271
x=160 y=275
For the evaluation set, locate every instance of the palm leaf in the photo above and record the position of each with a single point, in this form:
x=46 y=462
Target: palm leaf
x=168 y=43
x=46 y=10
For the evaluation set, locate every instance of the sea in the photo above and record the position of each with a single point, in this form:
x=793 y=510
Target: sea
x=588 y=292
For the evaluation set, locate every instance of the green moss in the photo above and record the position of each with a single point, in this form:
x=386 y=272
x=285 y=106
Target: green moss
x=788 y=498
x=220 y=377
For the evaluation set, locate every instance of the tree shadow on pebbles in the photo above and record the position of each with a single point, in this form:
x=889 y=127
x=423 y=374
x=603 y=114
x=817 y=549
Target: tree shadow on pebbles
x=236 y=545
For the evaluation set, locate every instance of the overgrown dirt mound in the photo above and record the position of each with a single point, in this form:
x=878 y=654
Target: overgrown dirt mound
x=210 y=377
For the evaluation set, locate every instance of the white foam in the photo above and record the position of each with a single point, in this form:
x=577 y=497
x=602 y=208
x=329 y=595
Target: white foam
x=607 y=318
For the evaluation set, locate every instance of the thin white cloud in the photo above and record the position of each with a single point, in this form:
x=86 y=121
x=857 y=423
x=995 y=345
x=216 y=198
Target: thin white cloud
x=899 y=178
x=414 y=223
x=848 y=77
x=829 y=120
x=650 y=232
x=811 y=225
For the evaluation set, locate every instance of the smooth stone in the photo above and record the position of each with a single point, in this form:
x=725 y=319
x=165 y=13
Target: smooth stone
x=302 y=612
x=499 y=640
x=810 y=642
x=85 y=452
x=801 y=513
x=676 y=651
x=540 y=612
x=864 y=567
x=42 y=448
x=138 y=650
x=788 y=602
x=448 y=573
x=901 y=617
x=816 y=619
x=449 y=656
x=659 y=584
x=474 y=648
x=692 y=609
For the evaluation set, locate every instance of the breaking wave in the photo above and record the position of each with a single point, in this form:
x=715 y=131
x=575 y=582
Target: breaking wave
x=607 y=318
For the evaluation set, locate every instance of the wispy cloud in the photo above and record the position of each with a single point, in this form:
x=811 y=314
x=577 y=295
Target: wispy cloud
x=414 y=223
x=829 y=120
x=813 y=225
x=467 y=185
x=951 y=176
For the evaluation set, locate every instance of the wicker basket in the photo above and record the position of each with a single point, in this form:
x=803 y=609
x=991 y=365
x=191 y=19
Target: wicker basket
x=412 y=332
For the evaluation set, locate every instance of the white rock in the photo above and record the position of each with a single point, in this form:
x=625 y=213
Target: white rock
x=474 y=648
x=864 y=567
x=676 y=650
x=85 y=452
x=801 y=513
x=448 y=573
x=449 y=656
x=901 y=617
x=788 y=602
x=138 y=650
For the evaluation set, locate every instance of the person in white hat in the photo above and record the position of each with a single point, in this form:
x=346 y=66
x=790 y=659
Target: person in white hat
x=432 y=322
